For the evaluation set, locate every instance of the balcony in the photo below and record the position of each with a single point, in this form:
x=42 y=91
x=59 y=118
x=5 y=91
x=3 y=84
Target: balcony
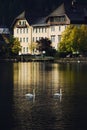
x=21 y=26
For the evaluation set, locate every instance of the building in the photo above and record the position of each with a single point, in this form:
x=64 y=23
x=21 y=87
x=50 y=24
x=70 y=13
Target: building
x=23 y=31
x=4 y=30
x=4 y=34
x=50 y=26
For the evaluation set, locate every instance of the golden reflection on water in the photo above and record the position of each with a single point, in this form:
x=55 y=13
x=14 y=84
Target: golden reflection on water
x=44 y=77
x=38 y=75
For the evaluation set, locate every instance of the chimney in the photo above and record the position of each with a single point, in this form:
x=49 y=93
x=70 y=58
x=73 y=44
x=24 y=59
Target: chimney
x=74 y=2
x=74 y=5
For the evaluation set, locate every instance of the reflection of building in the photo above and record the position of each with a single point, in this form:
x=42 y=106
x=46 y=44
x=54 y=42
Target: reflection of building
x=51 y=26
x=35 y=75
x=26 y=76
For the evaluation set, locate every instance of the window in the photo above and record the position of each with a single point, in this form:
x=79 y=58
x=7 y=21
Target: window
x=36 y=38
x=45 y=29
x=26 y=30
x=42 y=30
x=58 y=19
x=27 y=39
x=59 y=28
x=27 y=49
x=59 y=38
x=23 y=49
x=24 y=23
x=53 y=38
x=39 y=30
x=17 y=30
x=24 y=39
x=52 y=28
x=21 y=30
x=20 y=39
x=36 y=30
x=19 y=22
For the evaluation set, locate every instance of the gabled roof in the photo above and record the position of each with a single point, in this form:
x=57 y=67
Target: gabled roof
x=40 y=22
x=76 y=14
x=59 y=11
x=19 y=17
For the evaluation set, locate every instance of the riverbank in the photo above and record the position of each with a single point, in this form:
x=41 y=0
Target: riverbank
x=71 y=60
x=48 y=59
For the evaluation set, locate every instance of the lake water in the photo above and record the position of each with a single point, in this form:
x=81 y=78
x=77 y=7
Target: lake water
x=68 y=112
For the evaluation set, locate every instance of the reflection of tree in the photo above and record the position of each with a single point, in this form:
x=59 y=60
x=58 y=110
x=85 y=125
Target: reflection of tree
x=45 y=112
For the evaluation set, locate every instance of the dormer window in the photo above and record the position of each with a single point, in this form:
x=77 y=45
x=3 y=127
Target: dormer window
x=19 y=22
x=58 y=19
x=22 y=24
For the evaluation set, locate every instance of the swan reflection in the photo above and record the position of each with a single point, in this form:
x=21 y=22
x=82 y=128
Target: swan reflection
x=30 y=96
x=58 y=95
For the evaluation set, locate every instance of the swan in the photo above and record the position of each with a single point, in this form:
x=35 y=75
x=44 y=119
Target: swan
x=56 y=95
x=30 y=96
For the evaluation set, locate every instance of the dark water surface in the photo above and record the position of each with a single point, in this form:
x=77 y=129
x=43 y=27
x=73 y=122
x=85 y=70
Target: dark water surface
x=44 y=113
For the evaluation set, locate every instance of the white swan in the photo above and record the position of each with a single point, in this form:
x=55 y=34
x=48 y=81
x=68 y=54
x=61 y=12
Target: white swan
x=30 y=96
x=57 y=95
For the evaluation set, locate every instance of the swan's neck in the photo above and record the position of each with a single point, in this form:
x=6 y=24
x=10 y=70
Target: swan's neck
x=33 y=95
x=60 y=91
x=34 y=92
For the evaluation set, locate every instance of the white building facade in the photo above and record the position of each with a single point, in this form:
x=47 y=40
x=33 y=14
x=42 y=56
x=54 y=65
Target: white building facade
x=50 y=27
x=23 y=32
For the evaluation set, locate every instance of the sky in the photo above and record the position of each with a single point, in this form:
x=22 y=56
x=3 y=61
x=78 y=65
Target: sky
x=9 y=9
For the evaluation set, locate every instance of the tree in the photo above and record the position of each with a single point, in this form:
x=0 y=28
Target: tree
x=44 y=44
x=2 y=49
x=33 y=47
x=74 y=39
x=83 y=39
x=66 y=45
x=14 y=46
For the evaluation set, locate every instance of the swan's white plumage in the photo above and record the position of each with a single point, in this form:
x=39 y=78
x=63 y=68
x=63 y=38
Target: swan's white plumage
x=30 y=96
x=58 y=94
